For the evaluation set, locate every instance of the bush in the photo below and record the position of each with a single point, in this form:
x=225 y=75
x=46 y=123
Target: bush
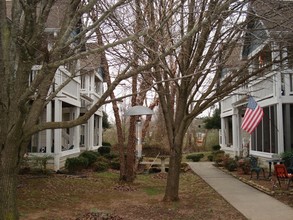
x=41 y=162
x=287 y=157
x=244 y=165
x=104 y=150
x=229 y=163
x=115 y=164
x=76 y=164
x=195 y=157
x=216 y=147
x=100 y=166
x=106 y=144
x=110 y=156
x=218 y=156
x=90 y=155
x=210 y=157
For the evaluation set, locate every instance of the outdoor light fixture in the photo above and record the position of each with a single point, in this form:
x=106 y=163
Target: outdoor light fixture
x=138 y=110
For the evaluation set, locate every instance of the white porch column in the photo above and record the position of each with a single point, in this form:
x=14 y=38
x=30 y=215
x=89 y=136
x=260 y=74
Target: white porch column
x=49 y=131
x=71 y=130
x=76 y=131
x=223 y=128
x=100 y=130
x=236 y=133
x=57 y=134
x=280 y=129
x=90 y=133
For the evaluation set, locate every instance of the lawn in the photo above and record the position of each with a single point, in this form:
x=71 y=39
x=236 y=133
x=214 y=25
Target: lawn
x=94 y=195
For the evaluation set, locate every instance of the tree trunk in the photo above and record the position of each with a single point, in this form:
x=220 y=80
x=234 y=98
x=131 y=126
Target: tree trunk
x=131 y=157
x=172 y=188
x=10 y=157
x=8 y=181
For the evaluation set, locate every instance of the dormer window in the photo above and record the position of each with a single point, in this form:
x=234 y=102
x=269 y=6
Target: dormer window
x=263 y=58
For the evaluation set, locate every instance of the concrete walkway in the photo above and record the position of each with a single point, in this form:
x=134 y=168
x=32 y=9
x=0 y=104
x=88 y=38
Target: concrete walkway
x=252 y=203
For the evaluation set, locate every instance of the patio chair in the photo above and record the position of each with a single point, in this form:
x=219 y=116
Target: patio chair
x=282 y=174
x=254 y=167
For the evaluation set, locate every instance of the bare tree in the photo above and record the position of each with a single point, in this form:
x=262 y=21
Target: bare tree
x=26 y=42
x=191 y=78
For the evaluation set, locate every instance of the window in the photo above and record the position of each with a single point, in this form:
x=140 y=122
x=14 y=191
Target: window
x=82 y=135
x=288 y=126
x=265 y=137
x=82 y=81
x=228 y=131
x=98 y=86
x=263 y=58
x=32 y=75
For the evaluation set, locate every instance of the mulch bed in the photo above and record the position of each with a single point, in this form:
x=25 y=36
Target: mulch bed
x=267 y=185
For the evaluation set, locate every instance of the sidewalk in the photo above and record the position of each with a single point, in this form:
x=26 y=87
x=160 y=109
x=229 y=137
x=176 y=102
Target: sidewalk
x=252 y=203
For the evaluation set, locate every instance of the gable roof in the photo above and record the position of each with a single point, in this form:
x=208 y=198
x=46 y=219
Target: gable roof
x=55 y=17
x=275 y=15
x=267 y=20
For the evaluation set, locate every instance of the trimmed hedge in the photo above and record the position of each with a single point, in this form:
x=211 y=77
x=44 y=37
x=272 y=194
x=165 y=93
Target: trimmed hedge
x=100 y=166
x=76 y=164
x=106 y=144
x=91 y=156
x=104 y=150
x=195 y=157
x=216 y=147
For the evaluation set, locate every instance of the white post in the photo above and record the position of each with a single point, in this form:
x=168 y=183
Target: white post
x=139 y=137
x=76 y=138
x=49 y=144
x=100 y=130
x=235 y=132
x=57 y=134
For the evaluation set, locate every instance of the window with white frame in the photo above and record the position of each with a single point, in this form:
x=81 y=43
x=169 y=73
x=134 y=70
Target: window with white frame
x=228 y=131
x=265 y=136
x=288 y=126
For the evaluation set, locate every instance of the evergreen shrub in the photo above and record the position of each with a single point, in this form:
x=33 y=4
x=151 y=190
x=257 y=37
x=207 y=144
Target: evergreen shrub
x=104 y=150
x=91 y=156
x=194 y=157
x=76 y=164
x=100 y=166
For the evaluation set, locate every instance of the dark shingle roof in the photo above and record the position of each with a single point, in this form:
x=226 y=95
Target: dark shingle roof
x=56 y=16
x=277 y=16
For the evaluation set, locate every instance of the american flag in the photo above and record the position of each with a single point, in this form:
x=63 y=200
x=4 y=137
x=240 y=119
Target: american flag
x=252 y=117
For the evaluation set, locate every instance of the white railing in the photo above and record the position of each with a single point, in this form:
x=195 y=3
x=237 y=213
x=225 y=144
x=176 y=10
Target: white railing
x=264 y=88
x=73 y=86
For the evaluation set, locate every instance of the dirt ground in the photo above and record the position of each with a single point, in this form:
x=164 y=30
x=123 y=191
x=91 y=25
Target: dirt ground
x=100 y=196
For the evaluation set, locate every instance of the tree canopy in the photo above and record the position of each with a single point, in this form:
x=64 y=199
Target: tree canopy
x=213 y=122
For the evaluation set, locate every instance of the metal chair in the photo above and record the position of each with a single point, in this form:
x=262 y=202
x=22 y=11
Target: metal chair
x=282 y=174
x=254 y=167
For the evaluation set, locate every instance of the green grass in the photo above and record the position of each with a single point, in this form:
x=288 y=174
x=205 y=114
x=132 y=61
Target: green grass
x=153 y=191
